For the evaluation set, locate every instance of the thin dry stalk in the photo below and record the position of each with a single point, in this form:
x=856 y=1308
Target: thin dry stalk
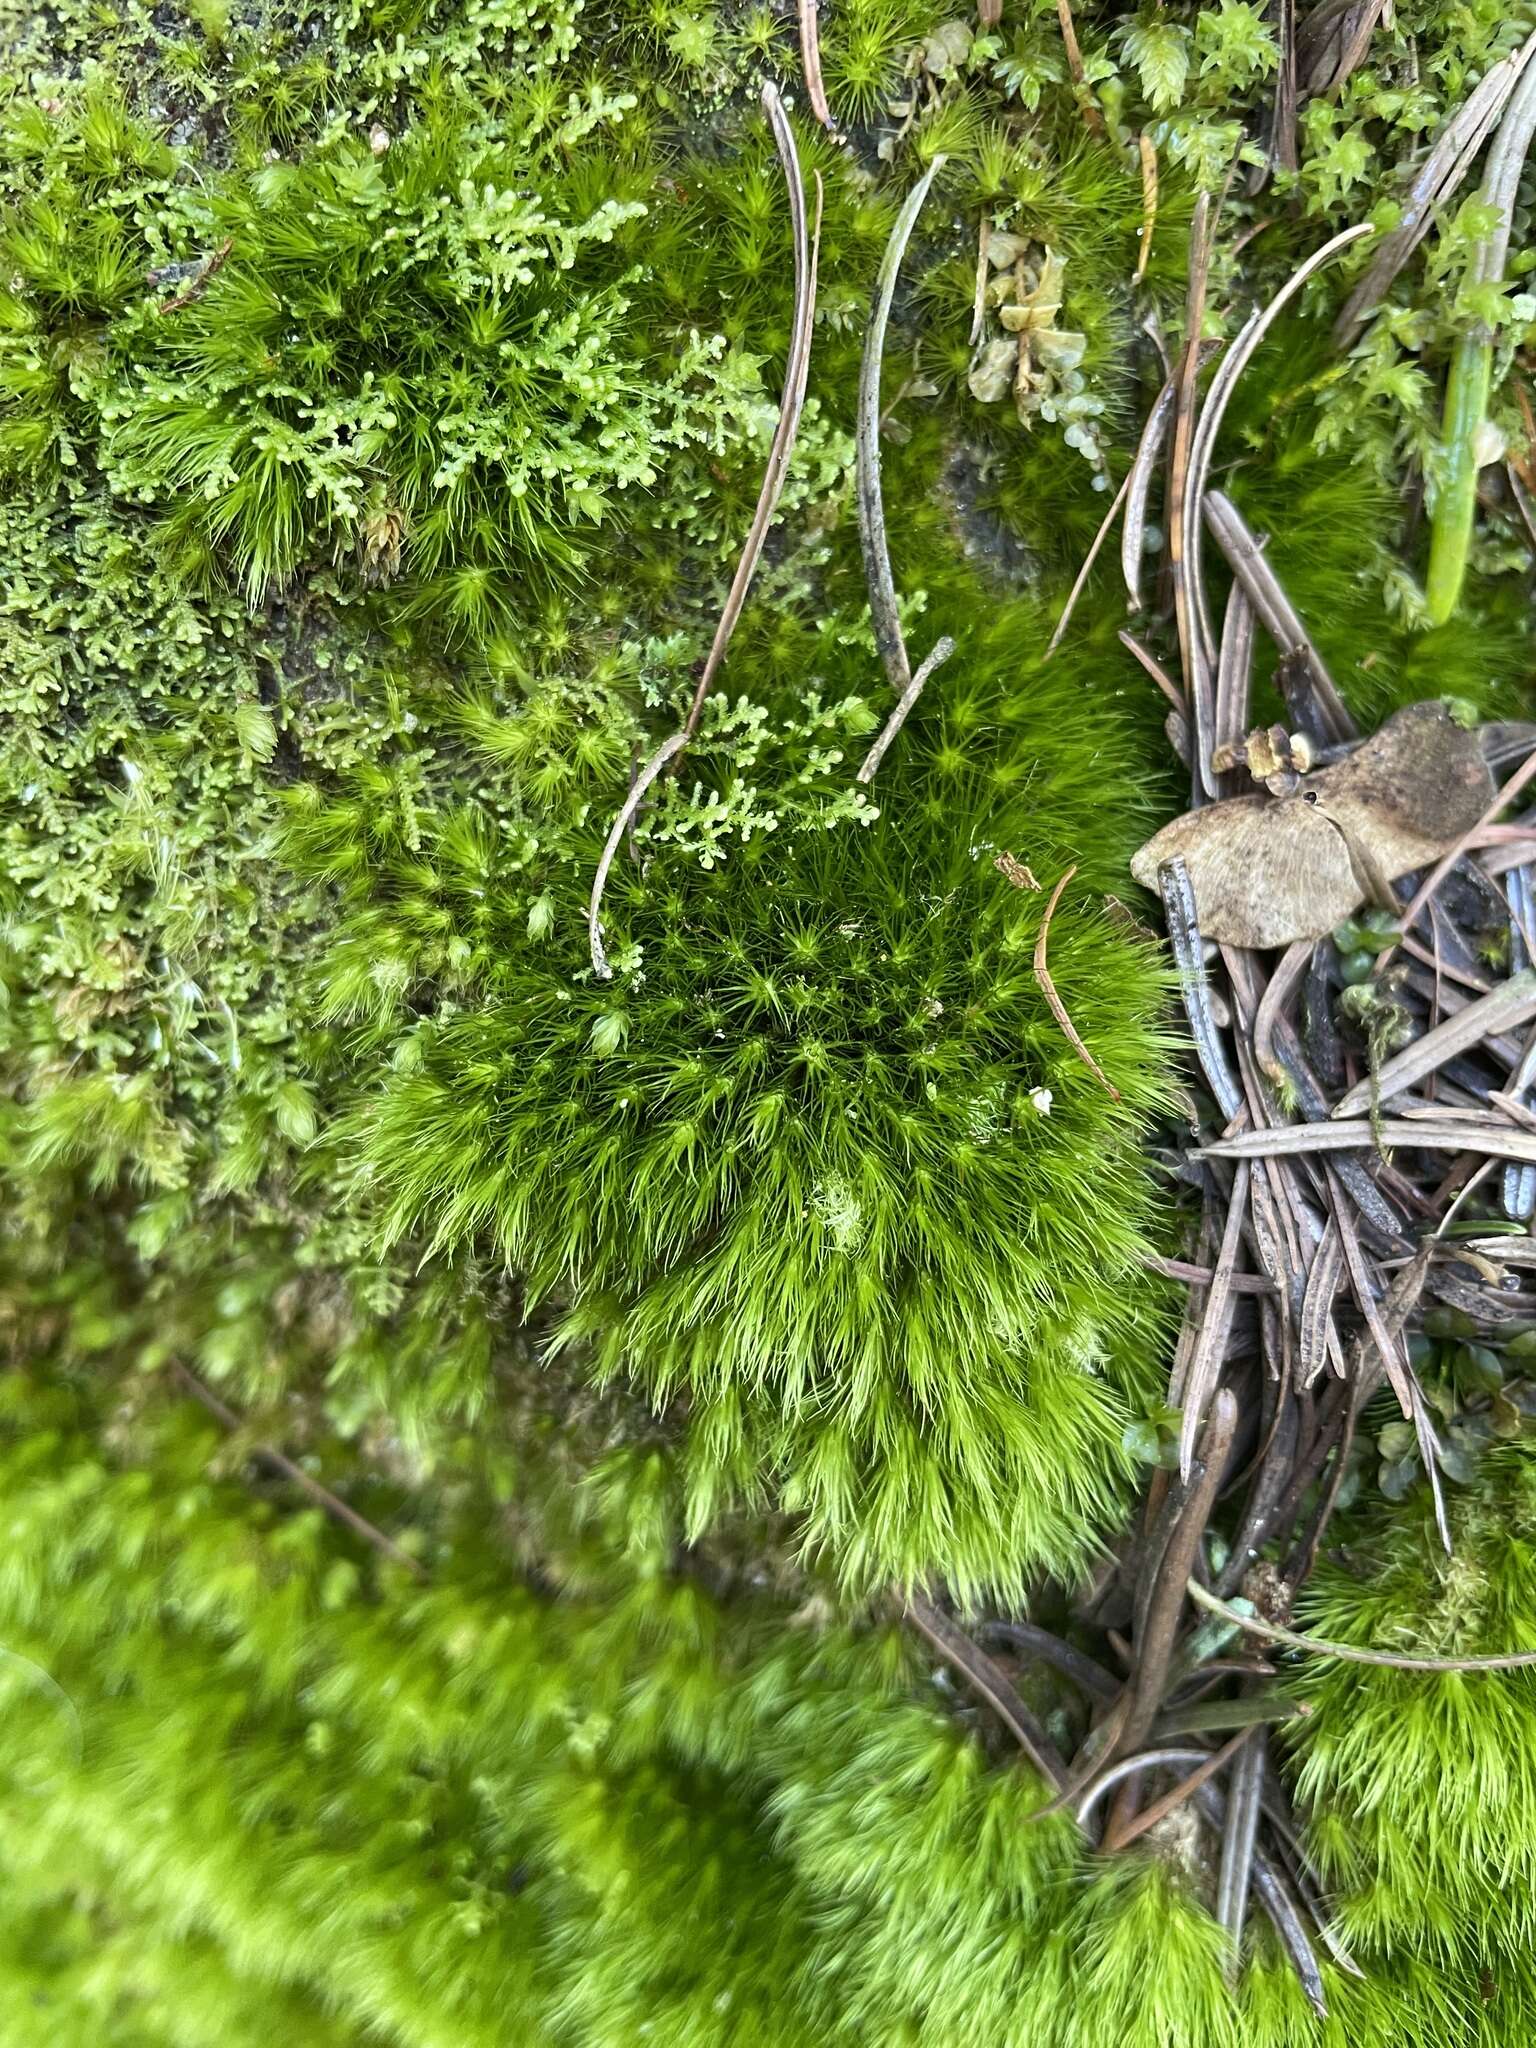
x=979 y=302
x=942 y=650
x=1282 y=125
x=1270 y=1890
x=872 y=536
x=810 y=61
x=1133 y=1766
x=1316 y=1335
x=1283 y=984
x=322 y=1496
x=1429 y=1457
x=1517 y=1111
x=1088 y=561
x=1351 y=1653
x=1202 y=1276
x=1057 y=1006
x=1084 y=1671
x=1147 y=150
x=796 y=372
x=667 y=751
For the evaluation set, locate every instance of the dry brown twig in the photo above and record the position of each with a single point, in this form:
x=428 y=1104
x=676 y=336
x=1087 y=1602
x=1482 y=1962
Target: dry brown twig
x=810 y=58
x=340 y=1510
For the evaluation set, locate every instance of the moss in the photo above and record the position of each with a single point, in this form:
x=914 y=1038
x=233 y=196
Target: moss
x=384 y=393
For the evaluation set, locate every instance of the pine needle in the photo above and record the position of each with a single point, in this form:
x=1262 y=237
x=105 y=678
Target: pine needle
x=810 y=58
x=872 y=535
x=1048 y=990
x=796 y=373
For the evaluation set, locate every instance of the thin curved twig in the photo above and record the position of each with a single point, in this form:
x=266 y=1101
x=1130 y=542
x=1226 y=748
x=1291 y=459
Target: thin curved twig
x=1058 y=1007
x=872 y=536
x=942 y=649
x=667 y=751
x=797 y=371
x=1348 y=1653
x=1088 y=561
x=791 y=405
x=810 y=58
x=1223 y=384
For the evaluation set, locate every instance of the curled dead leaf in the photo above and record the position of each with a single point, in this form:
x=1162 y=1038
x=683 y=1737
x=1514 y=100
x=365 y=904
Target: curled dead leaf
x=1268 y=871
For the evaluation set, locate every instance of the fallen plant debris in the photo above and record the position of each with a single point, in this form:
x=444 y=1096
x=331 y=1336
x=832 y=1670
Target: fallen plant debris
x=1353 y=1089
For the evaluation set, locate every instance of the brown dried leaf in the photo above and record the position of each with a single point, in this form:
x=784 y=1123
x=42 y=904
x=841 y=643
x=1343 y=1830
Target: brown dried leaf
x=1270 y=872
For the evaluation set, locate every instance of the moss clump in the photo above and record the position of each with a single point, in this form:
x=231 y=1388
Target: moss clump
x=814 y=1158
